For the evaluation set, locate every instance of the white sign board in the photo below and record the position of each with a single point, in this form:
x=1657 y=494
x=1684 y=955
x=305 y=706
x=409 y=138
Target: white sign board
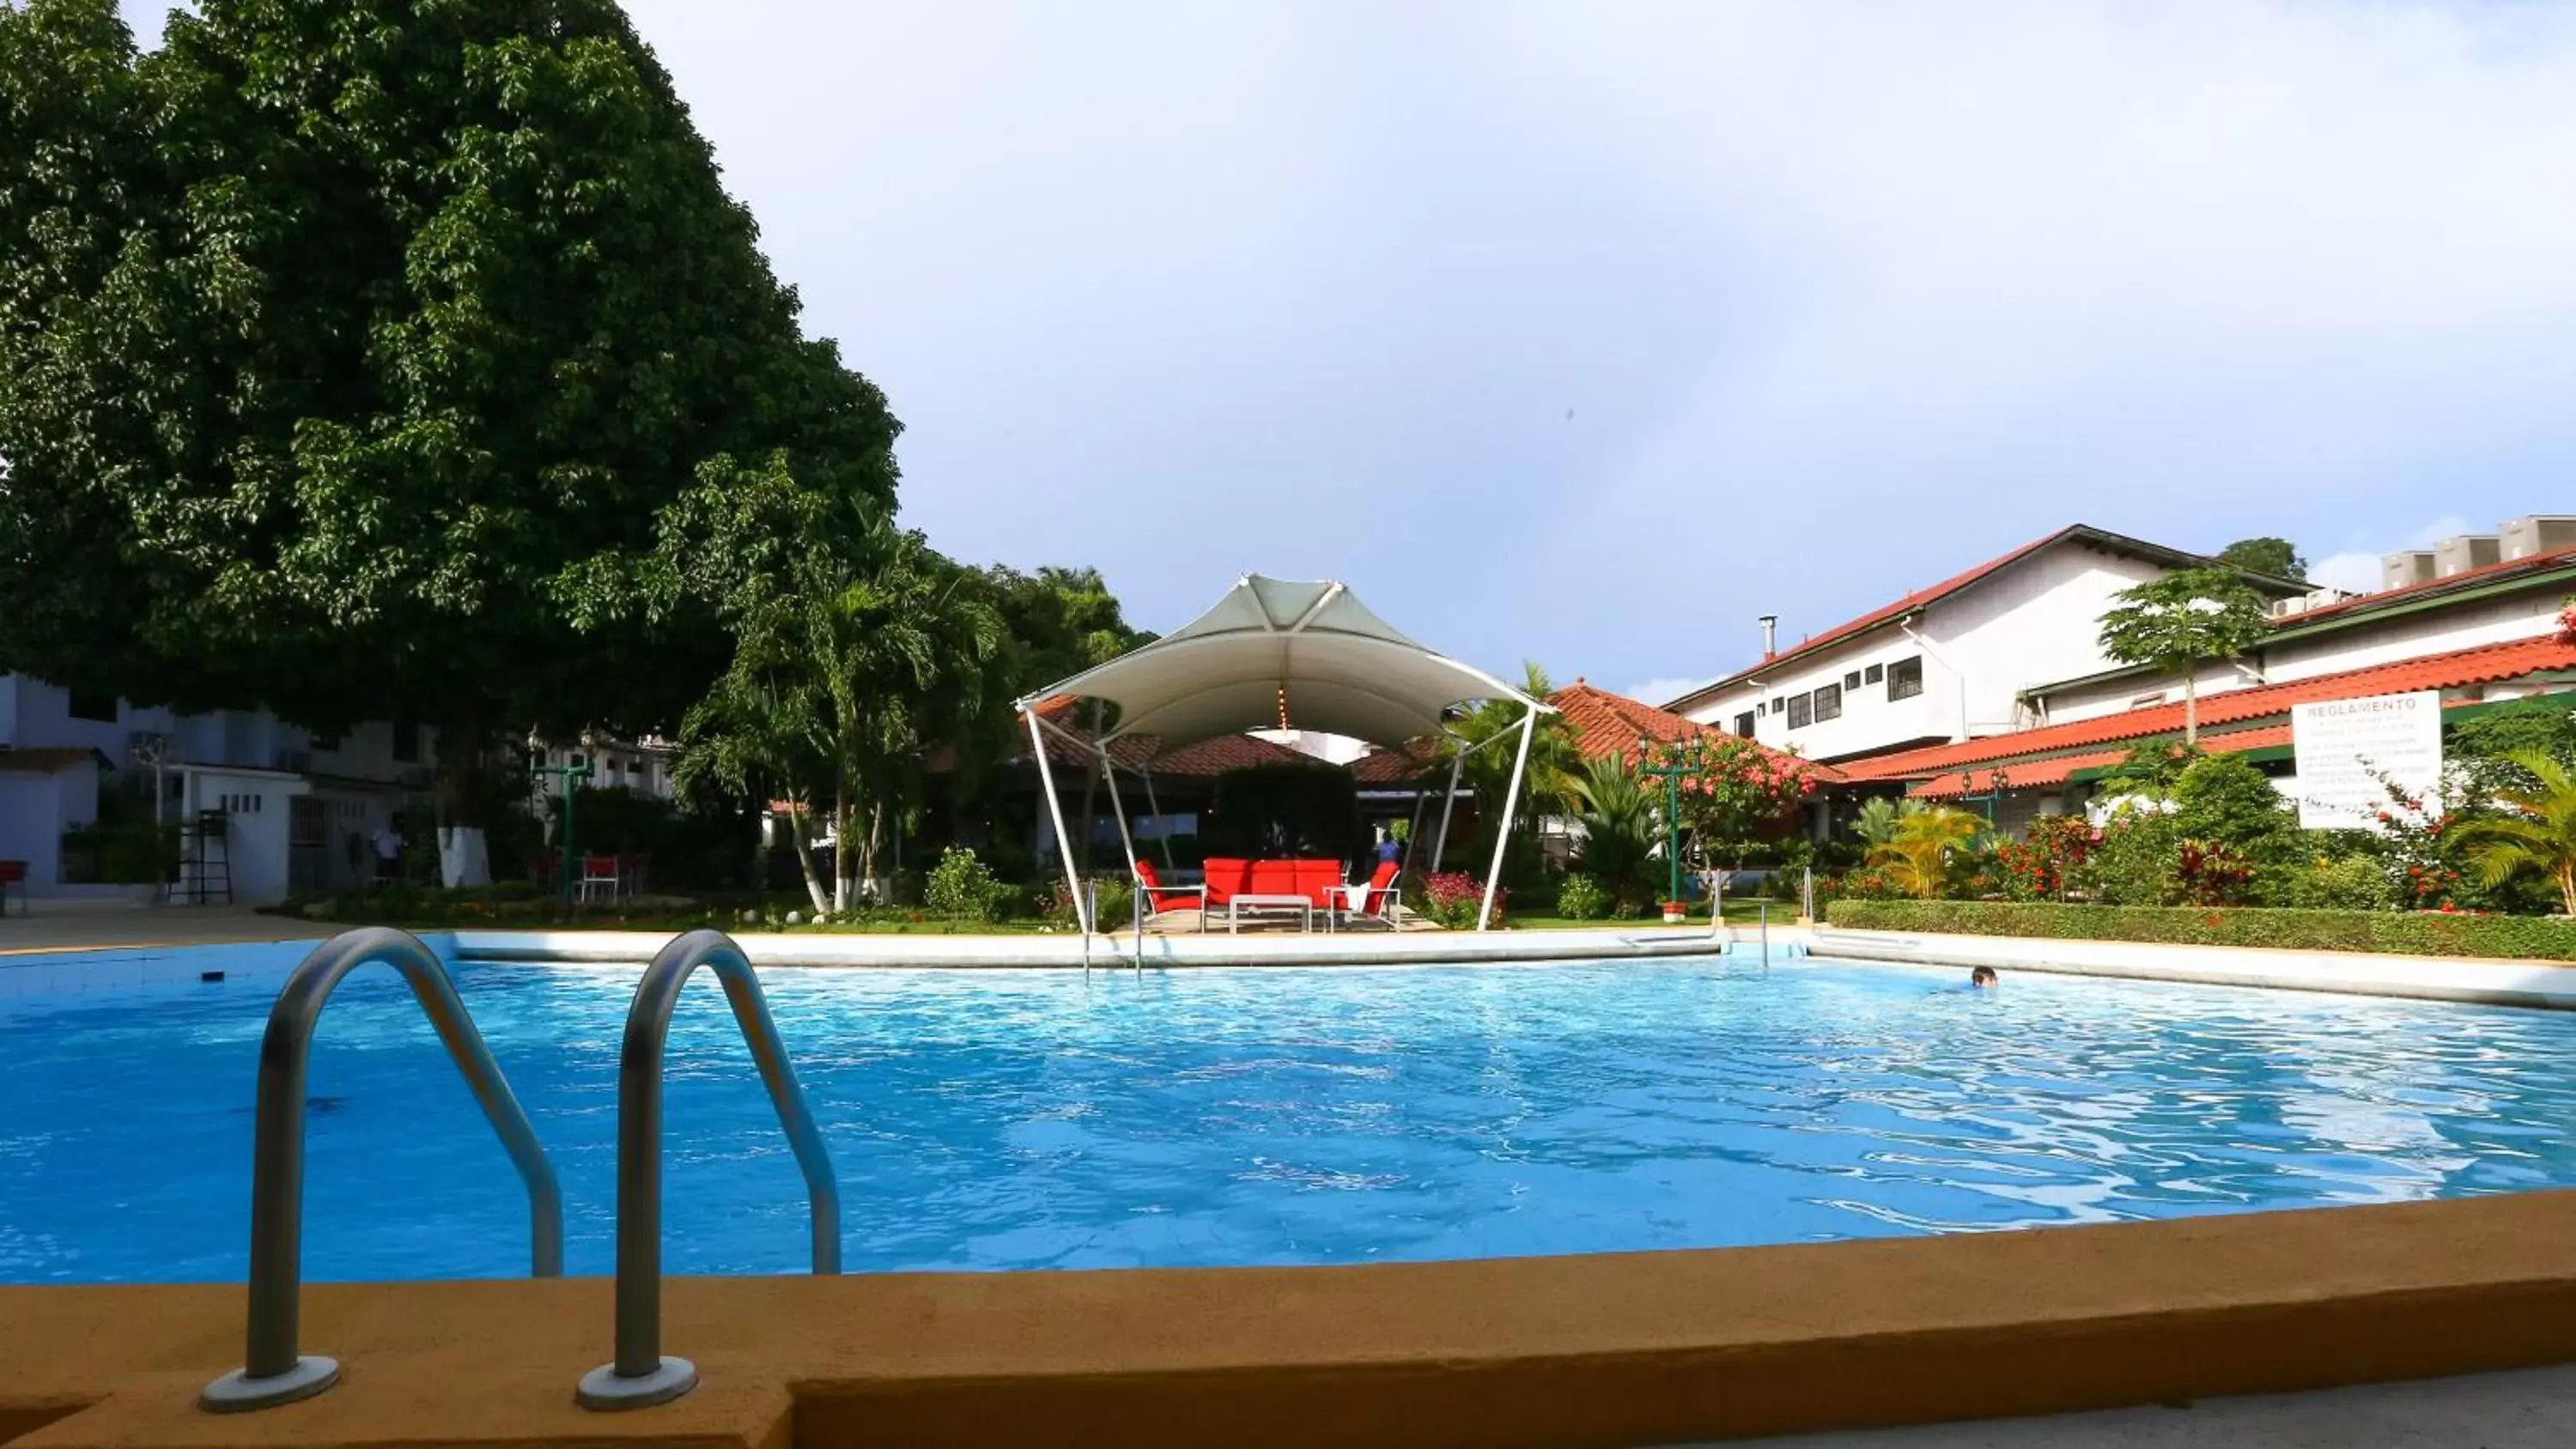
x=2347 y=748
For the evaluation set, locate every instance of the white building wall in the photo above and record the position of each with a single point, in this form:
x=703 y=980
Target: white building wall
x=256 y=835
x=2364 y=644
x=2407 y=636
x=2140 y=691
x=2037 y=620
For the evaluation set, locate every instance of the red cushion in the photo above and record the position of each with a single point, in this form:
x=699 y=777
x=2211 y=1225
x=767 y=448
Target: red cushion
x=1274 y=878
x=1317 y=879
x=1225 y=879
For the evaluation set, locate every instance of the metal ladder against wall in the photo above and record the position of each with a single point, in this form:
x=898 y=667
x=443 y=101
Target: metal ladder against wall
x=274 y=1371
x=205 y=866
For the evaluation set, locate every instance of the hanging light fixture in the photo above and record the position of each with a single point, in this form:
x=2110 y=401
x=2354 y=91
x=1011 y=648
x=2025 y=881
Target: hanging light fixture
x=1283 y=706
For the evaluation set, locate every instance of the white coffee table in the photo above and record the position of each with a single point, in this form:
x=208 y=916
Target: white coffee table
x=1302 y=905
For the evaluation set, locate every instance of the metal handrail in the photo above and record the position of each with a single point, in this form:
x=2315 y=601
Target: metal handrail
x=640 y=1375
x=273 y=1372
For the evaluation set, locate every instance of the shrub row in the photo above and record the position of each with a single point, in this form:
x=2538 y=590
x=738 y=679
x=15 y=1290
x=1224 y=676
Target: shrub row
x=2412 y=933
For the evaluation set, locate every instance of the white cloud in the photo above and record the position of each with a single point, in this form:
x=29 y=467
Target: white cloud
x=2354 y=573
x=1660 y=692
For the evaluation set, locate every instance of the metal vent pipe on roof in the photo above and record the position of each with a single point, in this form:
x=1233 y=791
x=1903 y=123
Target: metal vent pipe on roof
x=1770 y=635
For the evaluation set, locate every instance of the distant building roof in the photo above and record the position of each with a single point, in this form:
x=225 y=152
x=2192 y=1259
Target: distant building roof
x=2029 y=756
x=1921 y=599
x=50 y=760
x=1611 y=724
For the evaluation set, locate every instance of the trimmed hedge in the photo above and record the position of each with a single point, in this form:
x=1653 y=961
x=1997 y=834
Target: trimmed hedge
x=2411 y=933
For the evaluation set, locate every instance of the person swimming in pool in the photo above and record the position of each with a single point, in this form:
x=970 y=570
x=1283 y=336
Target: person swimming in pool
x=1983 y=976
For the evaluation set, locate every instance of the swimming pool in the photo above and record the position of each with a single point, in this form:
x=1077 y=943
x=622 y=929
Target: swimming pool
x=1042 y=1119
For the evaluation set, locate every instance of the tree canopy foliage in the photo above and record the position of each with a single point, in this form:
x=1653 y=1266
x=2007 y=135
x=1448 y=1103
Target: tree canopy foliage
x=2276 y=556
x=2181 y=619
x=357 y=357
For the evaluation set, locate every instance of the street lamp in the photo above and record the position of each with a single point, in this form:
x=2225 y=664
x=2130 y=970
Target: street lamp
x=570 y=775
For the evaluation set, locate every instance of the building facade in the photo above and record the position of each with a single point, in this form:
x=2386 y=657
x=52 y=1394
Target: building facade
x=1949 y=663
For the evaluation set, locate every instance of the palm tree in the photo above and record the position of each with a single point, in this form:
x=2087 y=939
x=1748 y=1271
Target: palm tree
x=1551 y=785
x=1918 y=853
x=1879 y=816
x=1618 y=824
x=2541 y=833
x=875 y=648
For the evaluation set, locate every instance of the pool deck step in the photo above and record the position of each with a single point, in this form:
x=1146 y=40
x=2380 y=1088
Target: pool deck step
x=1536 y=1353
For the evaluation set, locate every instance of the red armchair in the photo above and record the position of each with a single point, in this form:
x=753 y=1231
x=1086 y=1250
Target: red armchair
x=1378 y=897
x=1159 y=897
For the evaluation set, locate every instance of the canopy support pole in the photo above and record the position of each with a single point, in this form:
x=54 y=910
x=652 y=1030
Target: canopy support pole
x=1055 y=812
x=1448 y=802
x=1109 y=772
x=1503 y=834
x=1156 y=807
x=1413 y=831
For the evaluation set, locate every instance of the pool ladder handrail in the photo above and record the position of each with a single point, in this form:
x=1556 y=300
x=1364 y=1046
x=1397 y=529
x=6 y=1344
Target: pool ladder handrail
x=273 y=1371
x=640 y=1375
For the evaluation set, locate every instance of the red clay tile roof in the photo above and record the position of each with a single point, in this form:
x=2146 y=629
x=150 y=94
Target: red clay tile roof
x=1922 y=598
x=1611 y=724
x=1397 y=767
x=47 y=761
x=2486 y=664
x=1212 y=757
x=2483 y=573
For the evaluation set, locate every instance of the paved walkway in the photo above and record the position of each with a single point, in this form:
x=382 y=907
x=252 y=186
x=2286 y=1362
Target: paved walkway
x=2525 y=1410
x=58 y=925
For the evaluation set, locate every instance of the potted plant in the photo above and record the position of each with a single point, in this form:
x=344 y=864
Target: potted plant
x=1676 y=912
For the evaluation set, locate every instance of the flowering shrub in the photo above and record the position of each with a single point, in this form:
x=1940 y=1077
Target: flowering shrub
x=960 y=888
x=2213 y=875
x=2416 y=852
x=1733 y=790
x=1862 y=883
x=2567 y=620
x=1452 y=897
x=1582 y=898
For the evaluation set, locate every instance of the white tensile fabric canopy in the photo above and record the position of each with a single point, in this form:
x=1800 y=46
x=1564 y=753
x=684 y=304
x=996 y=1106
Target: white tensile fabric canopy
x=1278 y=654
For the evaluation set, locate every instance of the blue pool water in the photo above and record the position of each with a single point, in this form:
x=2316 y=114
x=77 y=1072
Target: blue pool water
x=985 y=1120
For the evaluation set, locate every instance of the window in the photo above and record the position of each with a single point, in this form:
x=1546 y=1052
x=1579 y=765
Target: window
x=1874 y=674
x=1744 y=725
x=1829 y=703
x=89 y=704
x=1801 y=711
x=1851 y=681
x=1779 y=702
x=1905 y=678
x=407 y=742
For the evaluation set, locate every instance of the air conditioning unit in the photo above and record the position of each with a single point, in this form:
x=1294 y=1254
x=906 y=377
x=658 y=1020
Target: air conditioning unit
x=2324 y=598
x=299 y=762
x=2295 y=604
x=2536 y=533
x=2455 y=556
x=2414 y=566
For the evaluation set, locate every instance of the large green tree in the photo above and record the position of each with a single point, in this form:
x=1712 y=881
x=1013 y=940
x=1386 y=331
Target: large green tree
x=354 y=353
x=2180 y=620
x=2275 y=556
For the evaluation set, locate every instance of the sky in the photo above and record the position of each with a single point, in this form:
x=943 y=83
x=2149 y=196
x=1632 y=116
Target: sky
x=1585 y=333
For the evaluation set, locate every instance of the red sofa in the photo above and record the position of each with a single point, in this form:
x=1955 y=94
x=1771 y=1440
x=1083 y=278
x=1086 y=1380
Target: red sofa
x=1313 y=879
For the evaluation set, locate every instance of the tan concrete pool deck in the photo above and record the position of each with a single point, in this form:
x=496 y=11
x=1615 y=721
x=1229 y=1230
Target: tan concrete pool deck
x=1584 y=1352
